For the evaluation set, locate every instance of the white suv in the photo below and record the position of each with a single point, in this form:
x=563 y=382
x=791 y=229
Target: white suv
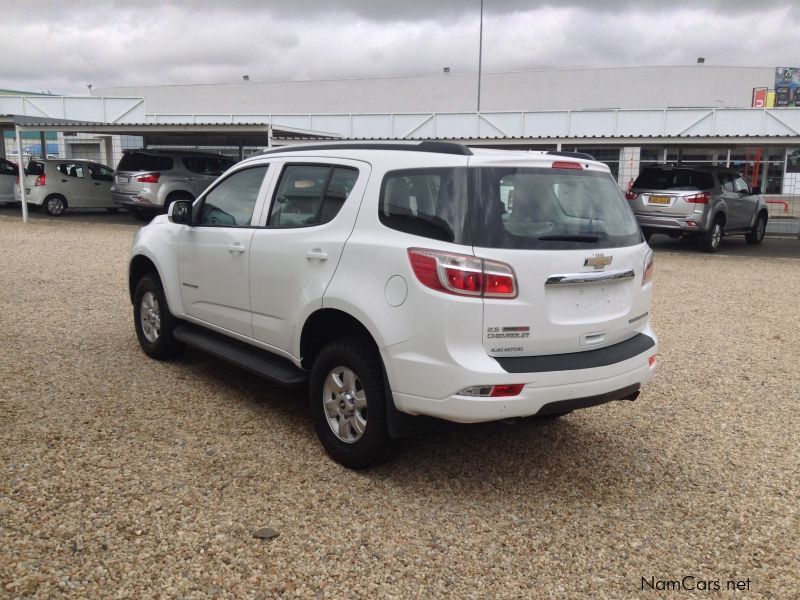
x=406 y=279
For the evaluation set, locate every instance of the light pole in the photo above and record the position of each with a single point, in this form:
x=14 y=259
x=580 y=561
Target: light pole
x=480 y=57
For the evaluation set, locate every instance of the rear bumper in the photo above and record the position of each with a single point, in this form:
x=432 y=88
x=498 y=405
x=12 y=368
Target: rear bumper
x=543 y=392
x=694 y=223
x=131 y=200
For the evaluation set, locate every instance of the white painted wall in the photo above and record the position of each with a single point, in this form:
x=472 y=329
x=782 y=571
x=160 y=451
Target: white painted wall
x=554 y=89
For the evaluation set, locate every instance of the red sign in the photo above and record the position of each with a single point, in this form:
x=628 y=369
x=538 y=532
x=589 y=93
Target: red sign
x=759 y=97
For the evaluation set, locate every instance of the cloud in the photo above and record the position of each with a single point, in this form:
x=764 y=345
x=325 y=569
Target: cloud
x=62 y=46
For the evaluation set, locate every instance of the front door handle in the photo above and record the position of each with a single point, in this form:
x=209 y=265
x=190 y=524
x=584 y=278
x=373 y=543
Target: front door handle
x=236 y=249
x=317 y=254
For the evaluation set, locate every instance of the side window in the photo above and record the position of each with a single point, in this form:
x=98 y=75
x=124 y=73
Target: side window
x=740 y=185
x=726 y=180
x=100 y=173
x=430 y=203
x=70 y=169
x=231 y=203
x=310 y=195
x=6 y=168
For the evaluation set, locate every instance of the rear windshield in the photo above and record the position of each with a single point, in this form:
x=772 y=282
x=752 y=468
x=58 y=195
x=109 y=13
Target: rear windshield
x=136 y=161
x=35 y=168
x=546 y=209
x=549 y=209
x=208 y=165
x=674 y=179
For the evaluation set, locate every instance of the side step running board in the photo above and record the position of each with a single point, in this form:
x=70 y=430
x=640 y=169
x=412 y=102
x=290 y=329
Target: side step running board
x=249 y=358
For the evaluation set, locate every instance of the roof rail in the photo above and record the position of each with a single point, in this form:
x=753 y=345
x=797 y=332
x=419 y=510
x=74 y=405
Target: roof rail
x=436 y=147
x=582 y=155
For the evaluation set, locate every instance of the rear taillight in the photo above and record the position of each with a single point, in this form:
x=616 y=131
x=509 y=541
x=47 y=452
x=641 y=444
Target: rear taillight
x=148 y=178
x=564 y=164
x=629 y=195
x=698 y=198
x=648 y=267
x=40 y=180
x=462 y=274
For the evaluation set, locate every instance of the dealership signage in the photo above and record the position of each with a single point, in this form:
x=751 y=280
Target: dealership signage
x=787 y=86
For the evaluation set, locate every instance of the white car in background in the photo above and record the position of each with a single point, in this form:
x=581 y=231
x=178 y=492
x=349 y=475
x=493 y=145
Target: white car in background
x=398 y=279
x=8 y=176
x=67 y=183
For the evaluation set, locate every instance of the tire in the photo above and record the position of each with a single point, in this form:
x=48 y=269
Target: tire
x=756 y=234
x=55 y=205
x=352 y=428
x=712 y=240
x=153 y=322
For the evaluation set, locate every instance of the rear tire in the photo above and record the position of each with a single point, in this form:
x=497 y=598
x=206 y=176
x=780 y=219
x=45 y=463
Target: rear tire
x=153 y=322
x=348 y=399
x=55 y=205
x=756 y=234
x=712 y=240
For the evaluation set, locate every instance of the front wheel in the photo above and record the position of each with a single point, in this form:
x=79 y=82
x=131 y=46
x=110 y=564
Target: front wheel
x=756 y=234
x=153 y=322
x=348 y=403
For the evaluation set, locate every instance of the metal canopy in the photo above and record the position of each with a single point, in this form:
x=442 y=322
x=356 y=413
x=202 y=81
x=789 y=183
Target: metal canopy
x=171 y=134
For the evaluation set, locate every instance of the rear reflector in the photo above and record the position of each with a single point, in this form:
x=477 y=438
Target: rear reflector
x=563 y=164
x=648 y=267
x=462 y=274
x=651 y=361
x=698 y=198
x=148 y=178
x=493 y=391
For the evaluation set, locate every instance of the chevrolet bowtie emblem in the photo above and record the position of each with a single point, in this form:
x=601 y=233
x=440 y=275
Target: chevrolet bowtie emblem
x=598 y=261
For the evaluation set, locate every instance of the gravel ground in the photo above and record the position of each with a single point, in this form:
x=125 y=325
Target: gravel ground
x=124 y=477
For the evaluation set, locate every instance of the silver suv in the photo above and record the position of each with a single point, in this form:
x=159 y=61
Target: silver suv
x=148 y=181
x=703 y=202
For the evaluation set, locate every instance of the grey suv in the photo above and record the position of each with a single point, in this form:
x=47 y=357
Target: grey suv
x=703 y=202
x=148 y=181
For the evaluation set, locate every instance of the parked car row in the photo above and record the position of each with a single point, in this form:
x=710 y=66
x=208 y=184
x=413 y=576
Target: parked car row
x=145 y=184
x=706 y=203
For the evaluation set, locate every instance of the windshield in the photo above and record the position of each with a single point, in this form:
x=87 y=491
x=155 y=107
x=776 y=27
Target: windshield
x=548 y=209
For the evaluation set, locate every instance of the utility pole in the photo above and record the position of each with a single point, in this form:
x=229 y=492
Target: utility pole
x=480 y=58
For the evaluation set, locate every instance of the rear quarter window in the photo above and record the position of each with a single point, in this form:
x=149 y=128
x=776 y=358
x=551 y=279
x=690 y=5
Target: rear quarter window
x=430 y=203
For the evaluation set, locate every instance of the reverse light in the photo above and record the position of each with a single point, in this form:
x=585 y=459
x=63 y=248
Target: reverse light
x=462 y=274
x=648 y=267
x=493 y=391
x=564 y=164
x=698 y=198
x=148 y=178
x=40 y=180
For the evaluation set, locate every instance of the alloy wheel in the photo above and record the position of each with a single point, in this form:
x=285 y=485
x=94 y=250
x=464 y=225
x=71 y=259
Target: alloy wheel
x=345 y=403
x=150 y=317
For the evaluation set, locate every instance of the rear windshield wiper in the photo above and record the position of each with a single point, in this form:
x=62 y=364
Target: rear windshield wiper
x=573 y=237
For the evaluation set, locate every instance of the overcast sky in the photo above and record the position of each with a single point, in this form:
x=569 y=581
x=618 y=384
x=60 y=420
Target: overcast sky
x=63 y=45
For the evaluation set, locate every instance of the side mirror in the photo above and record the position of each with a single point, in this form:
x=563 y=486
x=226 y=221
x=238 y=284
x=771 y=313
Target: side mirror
x=180 y=212
x=756 y=190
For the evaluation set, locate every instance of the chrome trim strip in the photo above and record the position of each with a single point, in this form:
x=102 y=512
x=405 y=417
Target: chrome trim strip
x=575 y=278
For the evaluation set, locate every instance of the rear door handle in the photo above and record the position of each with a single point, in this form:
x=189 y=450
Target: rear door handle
x=317 y=254
x=236 y=249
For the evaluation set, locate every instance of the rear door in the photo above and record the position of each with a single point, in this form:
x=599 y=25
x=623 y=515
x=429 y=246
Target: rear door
x=203 y=170
x=312 y=213
x=577 y=253
x=746 y=202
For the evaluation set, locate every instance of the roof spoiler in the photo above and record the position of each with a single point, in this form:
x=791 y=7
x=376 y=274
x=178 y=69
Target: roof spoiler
x=581 y=155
